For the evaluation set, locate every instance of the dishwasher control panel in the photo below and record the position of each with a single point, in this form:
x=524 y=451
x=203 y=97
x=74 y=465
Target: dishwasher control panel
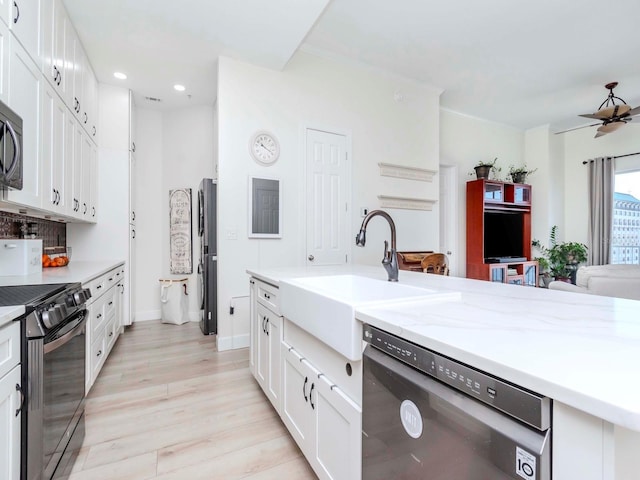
x=527 y=406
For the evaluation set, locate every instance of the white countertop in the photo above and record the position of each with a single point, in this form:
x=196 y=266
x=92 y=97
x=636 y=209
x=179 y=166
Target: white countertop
x=581 y=350
x=7 y=314
x=74 y=272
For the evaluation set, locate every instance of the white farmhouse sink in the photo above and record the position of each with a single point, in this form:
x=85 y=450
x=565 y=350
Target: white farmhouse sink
x=325 y=306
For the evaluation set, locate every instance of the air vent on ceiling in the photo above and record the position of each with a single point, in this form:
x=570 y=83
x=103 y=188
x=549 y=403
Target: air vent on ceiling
x=153 y=99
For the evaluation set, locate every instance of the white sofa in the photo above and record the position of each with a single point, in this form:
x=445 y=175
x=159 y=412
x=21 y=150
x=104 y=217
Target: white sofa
x=609 y=280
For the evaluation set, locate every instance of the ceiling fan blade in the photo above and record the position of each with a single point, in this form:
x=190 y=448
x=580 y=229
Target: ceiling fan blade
x=591 y=115
x=577 y=128
x=634 y=111
x=608 y=128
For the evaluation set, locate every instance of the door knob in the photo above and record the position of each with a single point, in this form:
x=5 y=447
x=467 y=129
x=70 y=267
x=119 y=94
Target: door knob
x=311 y=258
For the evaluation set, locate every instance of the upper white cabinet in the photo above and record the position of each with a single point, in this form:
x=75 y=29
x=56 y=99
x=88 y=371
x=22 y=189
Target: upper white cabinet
x=24 y=22
x=56 y=29
x=5 y=11
x=54 y=151
x=4 y=62
x=25 y=91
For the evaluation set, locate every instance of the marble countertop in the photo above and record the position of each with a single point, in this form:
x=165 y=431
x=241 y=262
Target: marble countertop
x=74 y=272
x=8 y=314
x=581 y=350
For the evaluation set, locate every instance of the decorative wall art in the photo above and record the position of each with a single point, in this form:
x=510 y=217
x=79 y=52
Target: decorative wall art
x=180 y=253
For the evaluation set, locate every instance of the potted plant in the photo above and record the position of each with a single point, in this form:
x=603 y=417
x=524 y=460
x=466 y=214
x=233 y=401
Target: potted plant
x=519 y=174
x=543 y=272
x=562 y=258
x=483 y=169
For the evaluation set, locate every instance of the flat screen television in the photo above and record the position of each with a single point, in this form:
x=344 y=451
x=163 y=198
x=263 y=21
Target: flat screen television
x=503 y=235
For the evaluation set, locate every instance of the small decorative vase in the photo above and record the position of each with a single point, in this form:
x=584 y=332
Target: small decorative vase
x=483 y=171
x=518 y=177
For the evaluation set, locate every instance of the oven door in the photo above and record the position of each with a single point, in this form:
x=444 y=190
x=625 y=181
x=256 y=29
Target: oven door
x=63 y=388
x=416 y=427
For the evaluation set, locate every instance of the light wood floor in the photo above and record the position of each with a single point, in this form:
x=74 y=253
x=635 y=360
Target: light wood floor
x=168 y=406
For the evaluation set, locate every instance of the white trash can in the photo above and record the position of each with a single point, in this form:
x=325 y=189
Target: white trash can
x=174 y=301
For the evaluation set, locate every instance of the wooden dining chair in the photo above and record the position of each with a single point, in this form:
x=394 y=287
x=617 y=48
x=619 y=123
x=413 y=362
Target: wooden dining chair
x=436 y=263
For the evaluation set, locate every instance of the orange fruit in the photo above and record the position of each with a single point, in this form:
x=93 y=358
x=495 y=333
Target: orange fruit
x=45 y=258
x=47 y=262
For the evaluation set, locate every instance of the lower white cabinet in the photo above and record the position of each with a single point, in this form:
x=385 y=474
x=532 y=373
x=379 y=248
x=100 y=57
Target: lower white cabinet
x=104 y=320
x=10 y=401
x=269 y=365
x=324 y=422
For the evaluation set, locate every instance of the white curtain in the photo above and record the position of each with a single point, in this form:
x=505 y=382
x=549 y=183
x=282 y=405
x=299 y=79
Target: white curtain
x=601 y=186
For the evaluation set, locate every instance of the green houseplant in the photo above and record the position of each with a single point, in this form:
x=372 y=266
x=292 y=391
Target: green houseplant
x=483 y=169
x=519 y=174
x=562 y=258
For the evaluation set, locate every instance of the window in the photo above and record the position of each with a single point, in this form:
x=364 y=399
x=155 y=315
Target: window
x=625 y=238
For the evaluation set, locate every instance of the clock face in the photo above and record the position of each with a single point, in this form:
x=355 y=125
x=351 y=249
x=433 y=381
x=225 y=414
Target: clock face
x=264 y=148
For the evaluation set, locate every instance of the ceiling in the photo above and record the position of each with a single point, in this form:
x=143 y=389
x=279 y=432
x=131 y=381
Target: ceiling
x=523 y=64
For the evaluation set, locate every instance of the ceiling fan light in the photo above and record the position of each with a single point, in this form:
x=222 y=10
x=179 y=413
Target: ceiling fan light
x=610 y=112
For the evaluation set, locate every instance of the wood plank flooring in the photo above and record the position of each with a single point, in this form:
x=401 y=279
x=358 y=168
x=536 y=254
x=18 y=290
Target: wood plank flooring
x=167 y=405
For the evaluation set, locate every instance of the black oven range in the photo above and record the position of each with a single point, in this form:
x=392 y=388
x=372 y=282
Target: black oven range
x=53 y=375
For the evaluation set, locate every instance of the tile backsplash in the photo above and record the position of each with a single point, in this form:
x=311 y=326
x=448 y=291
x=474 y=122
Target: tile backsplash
x=53 y=234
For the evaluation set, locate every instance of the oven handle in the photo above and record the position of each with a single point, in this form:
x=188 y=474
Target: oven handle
x=59 y=342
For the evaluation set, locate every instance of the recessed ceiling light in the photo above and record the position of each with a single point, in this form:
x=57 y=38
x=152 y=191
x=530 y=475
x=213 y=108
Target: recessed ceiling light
x=120 y=75
x=180 y=88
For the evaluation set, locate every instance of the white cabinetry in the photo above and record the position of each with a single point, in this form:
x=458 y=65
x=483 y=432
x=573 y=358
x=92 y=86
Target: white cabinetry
x=266 y=329
x=311 y=386
x=25 y=25
x=5 y=43
x=104 y=320
x=10 y=401
x=24 y=98
x=54 y=151
x=325 y=423
x=5 y=11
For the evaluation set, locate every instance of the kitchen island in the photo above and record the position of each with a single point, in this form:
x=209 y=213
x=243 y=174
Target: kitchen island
x=581 y=351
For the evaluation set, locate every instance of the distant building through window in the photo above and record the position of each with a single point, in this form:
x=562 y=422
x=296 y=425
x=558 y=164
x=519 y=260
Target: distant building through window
x=625 y=239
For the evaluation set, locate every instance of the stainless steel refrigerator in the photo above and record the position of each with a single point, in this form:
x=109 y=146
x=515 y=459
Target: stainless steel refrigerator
x=208 y=265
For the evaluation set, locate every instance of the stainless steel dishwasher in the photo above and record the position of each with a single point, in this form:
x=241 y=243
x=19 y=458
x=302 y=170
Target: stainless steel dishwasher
x=427 y=416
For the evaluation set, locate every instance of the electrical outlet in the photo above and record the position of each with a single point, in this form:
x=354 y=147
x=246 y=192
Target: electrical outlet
x=232 y=233
x=364 y=211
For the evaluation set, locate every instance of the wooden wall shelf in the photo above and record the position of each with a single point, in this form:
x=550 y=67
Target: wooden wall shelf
x=406 y=203
x=407 y=173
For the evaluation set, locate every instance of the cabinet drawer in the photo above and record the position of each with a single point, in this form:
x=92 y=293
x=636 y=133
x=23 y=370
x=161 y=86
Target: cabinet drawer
x=9 y=347
x=110 y=303
x=97 y=287
x=268 y=296
x=98 y=354
x=110 y=332
x=97 y=316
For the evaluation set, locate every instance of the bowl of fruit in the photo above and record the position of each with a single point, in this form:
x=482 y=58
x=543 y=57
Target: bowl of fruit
x=55 y=257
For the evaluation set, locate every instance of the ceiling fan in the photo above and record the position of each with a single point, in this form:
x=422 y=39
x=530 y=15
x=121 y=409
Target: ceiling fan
x=612 y=115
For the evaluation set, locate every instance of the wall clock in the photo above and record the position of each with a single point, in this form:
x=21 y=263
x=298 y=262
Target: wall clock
x=264 y=148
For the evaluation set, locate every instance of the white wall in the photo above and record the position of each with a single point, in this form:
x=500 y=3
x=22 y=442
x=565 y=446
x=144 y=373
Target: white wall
x=175 y=149
x=465 y=141
x=382 y=126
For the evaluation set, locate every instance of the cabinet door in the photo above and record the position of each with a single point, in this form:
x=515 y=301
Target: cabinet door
x=274 y=340
x=262 y=354
x=54 y=124
x=10 y=403
x=24 y=98
x=87 y=147
x=4 y=62
x=297 y=414
x=76 y=171
x=25 y=25
x=253 y=328
x=338 y=443
x=130 y=299
x=93 y=182
x=498 y=273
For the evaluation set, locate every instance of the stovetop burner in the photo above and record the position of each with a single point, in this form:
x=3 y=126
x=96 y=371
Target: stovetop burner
x=28 y=294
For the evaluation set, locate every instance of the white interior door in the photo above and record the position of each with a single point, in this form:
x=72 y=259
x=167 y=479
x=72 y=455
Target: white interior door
x=328 y=191
x=449 y=216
